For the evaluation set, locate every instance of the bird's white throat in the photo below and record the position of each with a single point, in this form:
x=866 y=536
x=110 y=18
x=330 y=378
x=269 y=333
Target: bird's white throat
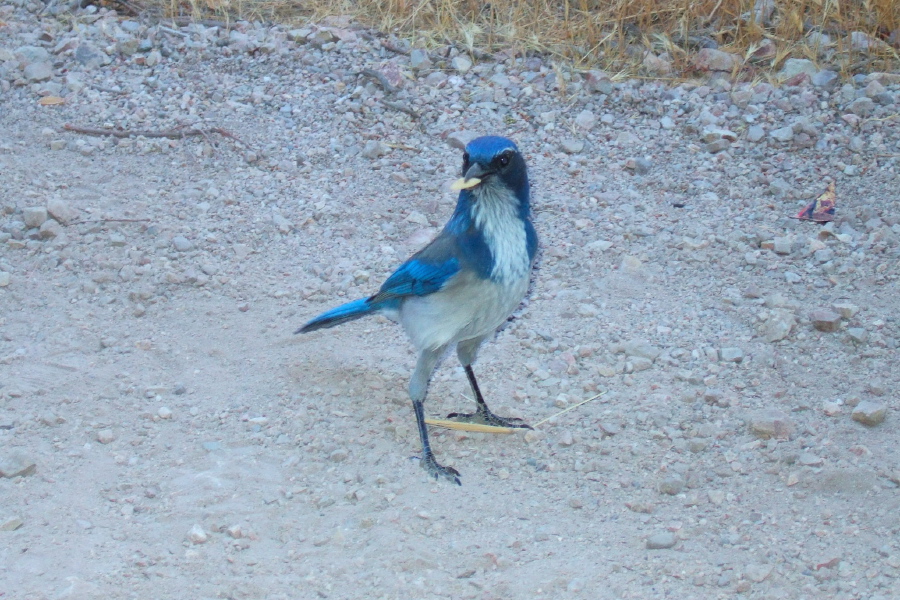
x=495 y=213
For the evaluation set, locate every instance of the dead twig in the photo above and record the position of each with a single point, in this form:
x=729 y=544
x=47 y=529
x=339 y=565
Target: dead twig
x=380 y=79
x=395 y=49
x=168 y=133
x=401 y=107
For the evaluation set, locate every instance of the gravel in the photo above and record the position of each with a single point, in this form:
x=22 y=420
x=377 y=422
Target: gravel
x=150 y=287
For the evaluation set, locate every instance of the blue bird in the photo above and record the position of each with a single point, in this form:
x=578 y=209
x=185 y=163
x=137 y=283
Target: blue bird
x=462 y=286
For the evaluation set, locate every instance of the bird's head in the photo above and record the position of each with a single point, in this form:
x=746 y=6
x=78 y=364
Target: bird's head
x=493 y=164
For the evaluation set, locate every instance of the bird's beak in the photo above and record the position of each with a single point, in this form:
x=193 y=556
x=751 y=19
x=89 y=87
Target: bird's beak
x=471 y=178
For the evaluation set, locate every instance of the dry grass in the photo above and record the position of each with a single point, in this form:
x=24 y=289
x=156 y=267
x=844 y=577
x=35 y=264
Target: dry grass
x=607 y=33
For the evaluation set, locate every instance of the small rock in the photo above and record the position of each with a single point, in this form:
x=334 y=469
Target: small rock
x=869 y=412
x=339 y=455
x=375 y=149
x=17 y=464
x=717 y=497
x=571 y=146
x=460 y=139
x=418 y=59
x=717 y=146
x=734 y=355
x=34 y=216
x=796 y=66
x=755 y=133
x=91 y=57
x=164 y=412
x=771 y=423
x=461 y=64
x=566 y=439
x=642 y=349
x=197 y=535
x=4 y=278
x=825 y=320
x=598 y=82
x=671 y=485
x=779 y=325
x=757 y=573
x=710 y=59
x=861 y=107
x=106 y=436
x=847 y=310
x=782 y=134
x=825 y=79
x=586 y=119
x=661 y=541
x=61 y=210
x=235 y=532
x=181 y=243
x=10 y=524
x=39 y=71
x=808 y=459
x=857 y=335
x=50 y=229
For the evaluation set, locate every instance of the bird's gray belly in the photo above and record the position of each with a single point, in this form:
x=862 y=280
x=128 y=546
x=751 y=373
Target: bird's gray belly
x=463 y=310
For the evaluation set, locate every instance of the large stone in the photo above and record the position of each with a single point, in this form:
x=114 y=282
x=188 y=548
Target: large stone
x=34 y=216
x=771 y=423
x=779 y=324
x=869 y=413
x=61 y=210
x=710 y=59
x=16 y=464
x=796 y=66
x=825 y=320
x=39 y=71
x=91 y=57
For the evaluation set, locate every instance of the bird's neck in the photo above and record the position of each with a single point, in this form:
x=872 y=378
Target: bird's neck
x=497 y=214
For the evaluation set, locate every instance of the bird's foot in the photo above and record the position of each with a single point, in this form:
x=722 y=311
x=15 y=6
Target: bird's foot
x=437 y=471
x=483 y=416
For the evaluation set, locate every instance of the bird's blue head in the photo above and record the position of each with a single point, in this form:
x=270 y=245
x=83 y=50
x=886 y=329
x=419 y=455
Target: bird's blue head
x=498 y=165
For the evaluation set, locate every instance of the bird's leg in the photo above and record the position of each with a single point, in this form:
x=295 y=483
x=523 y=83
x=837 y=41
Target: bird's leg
x=418 y=387
x=483 y=415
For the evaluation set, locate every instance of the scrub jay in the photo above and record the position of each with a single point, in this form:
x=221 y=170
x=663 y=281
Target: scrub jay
x=462 y=286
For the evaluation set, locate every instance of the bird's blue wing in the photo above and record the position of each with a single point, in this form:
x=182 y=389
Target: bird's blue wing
x=425 y=273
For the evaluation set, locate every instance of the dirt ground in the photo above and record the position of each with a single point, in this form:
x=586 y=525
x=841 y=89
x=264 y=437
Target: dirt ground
x=165 y=435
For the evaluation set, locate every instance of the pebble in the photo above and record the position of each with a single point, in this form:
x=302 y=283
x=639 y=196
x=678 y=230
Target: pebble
x=182 y=244
x=34 y=216
x=10 y=523
x=808 y=459
x=779 y=325
x=782 y=134
x=164 y=412
x=197 y=535
x=755 y=133
x=61 y=210
x=771 y=423
x=17 y=464
x=375 y=149
x=571 y=146
x=106 y=436
x=5 y=278
x=857 y=335
x=825 y=320
x=869 y=412
x=671 y=485
x=461 y=64
x=735 y=355
x=661 y=541
x=339 y=455
x=847 y=310
x=758 y=573
x=39 y=71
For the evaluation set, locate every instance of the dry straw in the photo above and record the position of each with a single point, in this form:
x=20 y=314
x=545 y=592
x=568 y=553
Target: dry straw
x=607 y=33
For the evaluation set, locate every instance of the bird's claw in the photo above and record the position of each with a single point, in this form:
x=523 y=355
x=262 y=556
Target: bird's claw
x=437 y=471
x=486 y=417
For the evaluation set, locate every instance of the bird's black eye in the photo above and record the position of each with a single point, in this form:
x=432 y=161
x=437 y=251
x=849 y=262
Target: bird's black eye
x=465 y=162
x=504 y=160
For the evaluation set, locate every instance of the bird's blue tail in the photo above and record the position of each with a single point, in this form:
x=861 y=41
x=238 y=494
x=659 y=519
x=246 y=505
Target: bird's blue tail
x=341 y=314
